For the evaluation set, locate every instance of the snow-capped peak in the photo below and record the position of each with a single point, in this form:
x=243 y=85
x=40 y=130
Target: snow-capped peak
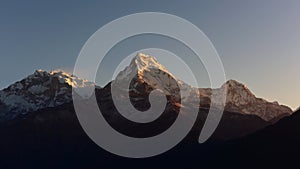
x=40 y=90
x=234 y=89
x=145 y=62
x=62 y=76
x=241 y=99
x=148 y=70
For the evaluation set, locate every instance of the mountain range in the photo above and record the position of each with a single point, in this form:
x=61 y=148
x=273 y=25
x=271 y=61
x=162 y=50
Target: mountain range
x=45 y=89
x=38 y=120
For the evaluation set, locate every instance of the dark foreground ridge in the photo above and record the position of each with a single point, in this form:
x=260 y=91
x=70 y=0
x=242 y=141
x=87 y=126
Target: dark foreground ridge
x=53 y=137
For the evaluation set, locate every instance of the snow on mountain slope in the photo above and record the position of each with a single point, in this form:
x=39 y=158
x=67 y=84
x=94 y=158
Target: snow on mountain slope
x=40 y=90
x=240 y=99
x=146 y=69
x=49 y=89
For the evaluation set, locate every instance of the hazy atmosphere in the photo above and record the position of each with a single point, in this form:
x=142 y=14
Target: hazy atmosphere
x=258 y=41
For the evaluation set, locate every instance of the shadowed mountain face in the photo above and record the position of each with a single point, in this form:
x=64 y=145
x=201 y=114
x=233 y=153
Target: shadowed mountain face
x=277 y=144
x=53 y=136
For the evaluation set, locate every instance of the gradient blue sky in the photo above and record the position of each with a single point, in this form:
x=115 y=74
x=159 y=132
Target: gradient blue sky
x=258 y=41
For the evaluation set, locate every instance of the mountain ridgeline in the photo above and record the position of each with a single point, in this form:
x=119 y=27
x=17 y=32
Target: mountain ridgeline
x=50 y=89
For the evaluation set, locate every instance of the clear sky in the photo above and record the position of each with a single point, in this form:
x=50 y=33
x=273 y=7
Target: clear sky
x=258 y=41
